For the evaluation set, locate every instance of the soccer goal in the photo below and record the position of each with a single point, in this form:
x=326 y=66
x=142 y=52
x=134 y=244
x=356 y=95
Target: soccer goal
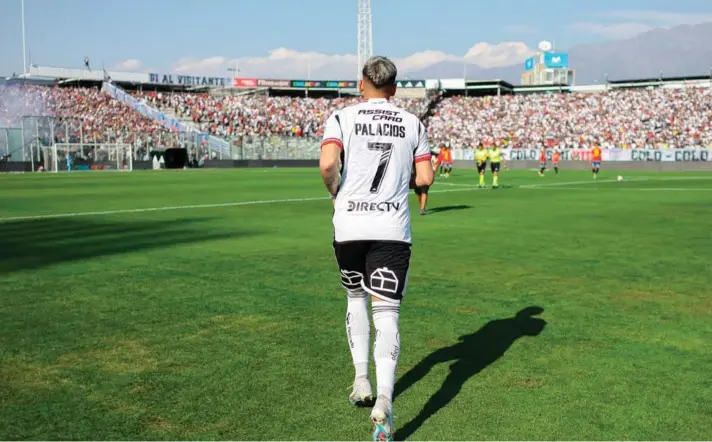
x=62 y=157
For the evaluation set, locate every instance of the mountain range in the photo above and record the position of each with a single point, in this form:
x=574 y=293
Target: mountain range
x=676 y=52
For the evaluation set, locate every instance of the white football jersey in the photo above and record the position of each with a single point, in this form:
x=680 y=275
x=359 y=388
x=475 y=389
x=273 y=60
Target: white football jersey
x=380 y=143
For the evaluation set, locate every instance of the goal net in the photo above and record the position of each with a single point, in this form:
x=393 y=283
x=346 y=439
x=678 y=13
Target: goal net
x=62 y=157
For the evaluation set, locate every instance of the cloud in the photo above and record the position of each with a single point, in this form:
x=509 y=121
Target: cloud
x=128 y=65
x=280 y=62
x=288 y=63
x=499 y=55
x=210 y=64
x=625 y=24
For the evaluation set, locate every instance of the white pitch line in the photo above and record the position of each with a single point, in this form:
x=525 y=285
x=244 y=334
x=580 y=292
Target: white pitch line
x=461 y=188
x=629 y=189
x=469 y=186
x=186 y=207
x=159 y=209
x=633 y=179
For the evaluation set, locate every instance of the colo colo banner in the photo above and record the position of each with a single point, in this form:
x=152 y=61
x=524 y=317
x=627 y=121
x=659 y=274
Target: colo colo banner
x=691 y=154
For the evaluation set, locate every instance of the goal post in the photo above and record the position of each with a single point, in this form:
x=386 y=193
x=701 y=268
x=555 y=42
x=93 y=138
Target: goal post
x=63 y=157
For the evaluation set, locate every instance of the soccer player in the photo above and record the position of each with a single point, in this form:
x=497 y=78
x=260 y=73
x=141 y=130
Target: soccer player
x=69 y=162
x=445 y=159
x=495 y=160
x=556 y=158
x=422 y=193
x=378 y=146
x=481 y=161
x=542 y=161
x=596 y=160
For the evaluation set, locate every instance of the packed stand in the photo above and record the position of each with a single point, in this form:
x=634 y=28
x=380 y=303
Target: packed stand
x=259 y=115
x=79 y=115
x=632 y=118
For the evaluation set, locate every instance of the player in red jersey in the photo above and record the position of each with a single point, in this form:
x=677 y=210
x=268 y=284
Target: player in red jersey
x=556 y=158
x=542 y=161
x=596 y=154
x=445 y=160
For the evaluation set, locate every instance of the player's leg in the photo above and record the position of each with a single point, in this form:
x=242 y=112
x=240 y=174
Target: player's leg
x=594 y=168
x=542 y=168
x=481 y=170
x=351 y=258
x=495 y=175
x=422 y=193
x=448 y=169
x=386 y=280
x=556 y=168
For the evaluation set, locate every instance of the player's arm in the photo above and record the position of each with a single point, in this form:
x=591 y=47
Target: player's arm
x=424 y=174
x=438 y=161
x=331 y=147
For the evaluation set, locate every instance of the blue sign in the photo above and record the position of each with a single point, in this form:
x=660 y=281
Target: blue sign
x=556 y=60
x=529 y=64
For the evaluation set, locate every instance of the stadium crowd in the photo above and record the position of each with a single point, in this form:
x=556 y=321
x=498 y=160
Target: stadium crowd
x=624 y=118
x=259 y=115
x=78 y=114
x=630 y=118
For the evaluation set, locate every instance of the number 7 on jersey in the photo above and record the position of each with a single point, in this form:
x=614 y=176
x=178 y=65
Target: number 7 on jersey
x=386 y=150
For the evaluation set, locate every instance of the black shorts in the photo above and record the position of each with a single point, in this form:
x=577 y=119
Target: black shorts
x=421 y=190
x=481 y=167
x=494 y=167
x=378 y=267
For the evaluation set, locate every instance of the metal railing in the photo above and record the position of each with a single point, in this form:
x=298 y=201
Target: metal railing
x=26 y=143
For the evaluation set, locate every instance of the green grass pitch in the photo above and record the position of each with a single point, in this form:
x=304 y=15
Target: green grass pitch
x=206 y=305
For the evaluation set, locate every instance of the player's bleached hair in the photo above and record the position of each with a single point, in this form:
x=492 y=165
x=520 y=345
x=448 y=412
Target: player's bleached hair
x=380 y=71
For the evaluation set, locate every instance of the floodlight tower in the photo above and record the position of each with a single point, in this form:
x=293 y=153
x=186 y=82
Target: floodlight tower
x=365 y=34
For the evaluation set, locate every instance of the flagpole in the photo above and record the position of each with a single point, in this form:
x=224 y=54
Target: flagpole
x=24 y=45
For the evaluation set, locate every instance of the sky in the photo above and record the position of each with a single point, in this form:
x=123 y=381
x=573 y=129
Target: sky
x=313 y=38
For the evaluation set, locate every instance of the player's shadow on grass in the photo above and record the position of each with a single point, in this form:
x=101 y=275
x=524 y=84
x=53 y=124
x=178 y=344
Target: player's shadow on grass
x=447 y=209
x=31 y=244
x=472 y=354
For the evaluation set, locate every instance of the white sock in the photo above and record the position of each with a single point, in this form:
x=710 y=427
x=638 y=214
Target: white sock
x=358 y=330
x=386 y=348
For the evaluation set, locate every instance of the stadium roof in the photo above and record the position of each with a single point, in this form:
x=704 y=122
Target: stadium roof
x=661 y=80
x=488 y=84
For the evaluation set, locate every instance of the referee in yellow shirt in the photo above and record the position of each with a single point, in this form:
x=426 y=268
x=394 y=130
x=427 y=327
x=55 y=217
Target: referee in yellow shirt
x=481 y=161
x=495 y=159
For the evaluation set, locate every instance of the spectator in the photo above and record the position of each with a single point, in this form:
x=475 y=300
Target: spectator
x=652 y=118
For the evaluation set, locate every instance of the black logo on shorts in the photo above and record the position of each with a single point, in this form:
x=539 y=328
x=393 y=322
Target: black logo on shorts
x=365 y=206
x=384 y=280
